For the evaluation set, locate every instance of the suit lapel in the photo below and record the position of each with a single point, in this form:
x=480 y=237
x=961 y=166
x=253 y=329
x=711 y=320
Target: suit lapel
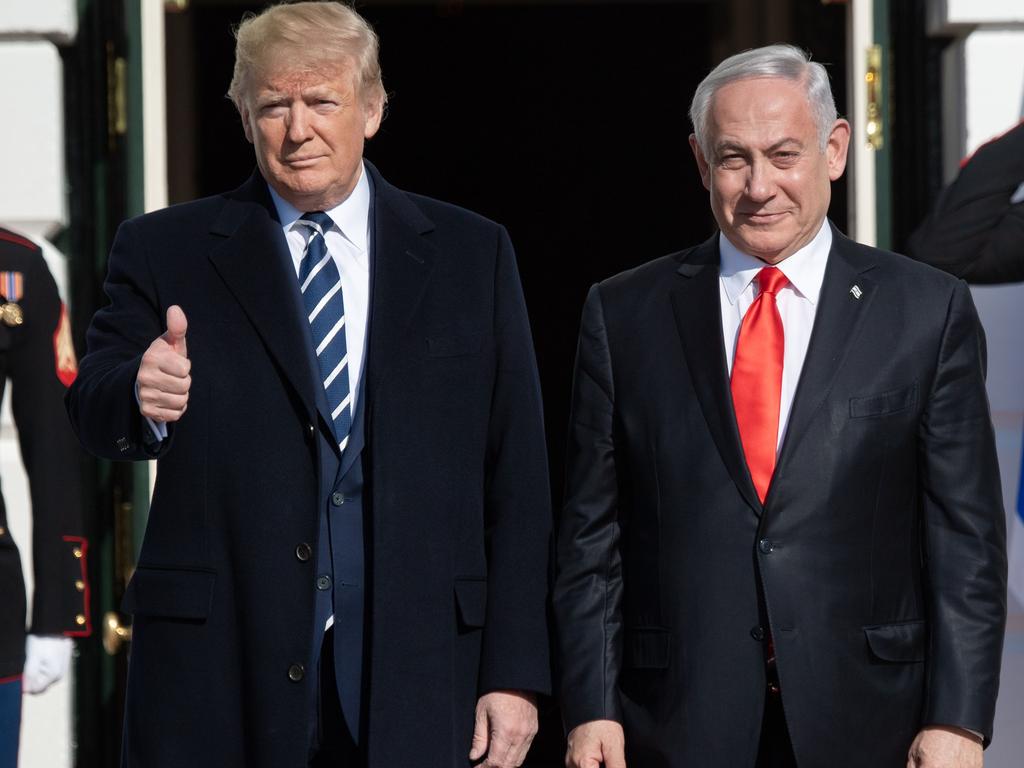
x=846 y=296
x=254 y=263
x=402 y=262
x=696 y=303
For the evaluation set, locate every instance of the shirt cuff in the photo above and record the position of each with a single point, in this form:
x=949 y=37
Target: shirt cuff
x=158 y=428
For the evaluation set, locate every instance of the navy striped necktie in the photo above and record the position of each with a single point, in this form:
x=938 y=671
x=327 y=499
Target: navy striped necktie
x=325 y=308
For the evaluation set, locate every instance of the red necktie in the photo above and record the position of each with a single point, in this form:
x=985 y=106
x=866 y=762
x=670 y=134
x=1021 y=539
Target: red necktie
x=757 y=379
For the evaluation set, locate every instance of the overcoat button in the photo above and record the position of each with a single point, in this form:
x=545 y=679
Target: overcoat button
x=765 y=545
x=296 y=672
x=757 y=633
x=337 y=499
x=303 y=552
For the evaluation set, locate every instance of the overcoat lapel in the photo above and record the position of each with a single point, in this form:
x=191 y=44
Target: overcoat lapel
x=697 y=306
x=846 y=297
x=254 y=262
x=403 y=260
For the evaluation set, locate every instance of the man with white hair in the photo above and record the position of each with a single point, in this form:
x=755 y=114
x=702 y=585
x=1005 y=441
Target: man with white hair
x=345 y=562
x=783 y=540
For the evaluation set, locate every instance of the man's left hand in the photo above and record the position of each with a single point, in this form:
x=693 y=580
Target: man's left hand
x=506 y=722
x=942 y=746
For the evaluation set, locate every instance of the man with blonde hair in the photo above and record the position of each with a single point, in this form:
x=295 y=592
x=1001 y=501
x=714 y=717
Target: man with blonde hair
x=346 y=555
x=783 y=540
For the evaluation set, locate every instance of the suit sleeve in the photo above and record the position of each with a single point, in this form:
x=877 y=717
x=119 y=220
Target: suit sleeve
x=975 y=232
x=102 y=403
x=515 y=653
x=964 y=531
x=588 y=582
x=52 y=462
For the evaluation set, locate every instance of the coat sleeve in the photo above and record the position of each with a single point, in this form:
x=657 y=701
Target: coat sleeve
x=101 y=402
x=975 y=231
x=588 y=582
x=964 y=531
x=39 y=366
x=515 y=653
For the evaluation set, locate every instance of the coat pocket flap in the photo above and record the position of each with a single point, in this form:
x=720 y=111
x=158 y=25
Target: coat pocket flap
x=883 y=403
x=471 y=601
x=452 y=346
x=170 y=593
x=647 y=648
x=904 y=641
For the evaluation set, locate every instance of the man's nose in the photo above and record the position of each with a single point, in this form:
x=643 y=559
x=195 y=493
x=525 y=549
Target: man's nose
x=760 y=182
x=298 y=123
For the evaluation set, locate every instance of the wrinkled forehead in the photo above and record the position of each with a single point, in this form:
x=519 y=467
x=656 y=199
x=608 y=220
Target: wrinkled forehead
x=760 y=105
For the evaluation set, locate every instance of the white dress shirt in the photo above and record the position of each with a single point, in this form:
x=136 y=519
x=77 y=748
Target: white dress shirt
x=797 y=303
x=348 y=242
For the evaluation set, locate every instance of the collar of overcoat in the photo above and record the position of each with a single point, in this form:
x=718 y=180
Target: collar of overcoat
x=254 y=262
x=696 y=305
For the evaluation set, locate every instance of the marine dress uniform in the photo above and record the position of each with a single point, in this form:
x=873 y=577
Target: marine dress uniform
x=37 y=356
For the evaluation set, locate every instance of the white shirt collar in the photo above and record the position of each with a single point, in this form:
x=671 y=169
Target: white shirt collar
x=351 y=216
x=804 y=269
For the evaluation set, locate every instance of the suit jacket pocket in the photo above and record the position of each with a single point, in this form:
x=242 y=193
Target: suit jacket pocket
x=453 y=346
x=903 y=641
x=647 y=648
x=169 y=593
x=471 y=601
x=884 y=403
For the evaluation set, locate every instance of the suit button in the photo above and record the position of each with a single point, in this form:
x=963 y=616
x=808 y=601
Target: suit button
x=765 y=545
x=757 y=633
x=337 y=498
x=296 y=672
x=303 y=552
x=323 y=582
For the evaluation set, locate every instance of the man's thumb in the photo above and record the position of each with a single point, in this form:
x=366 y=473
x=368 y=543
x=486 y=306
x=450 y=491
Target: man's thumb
x=479 y=746
x=177 y=325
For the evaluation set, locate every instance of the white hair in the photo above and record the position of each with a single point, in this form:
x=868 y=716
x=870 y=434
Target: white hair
x=784 y=61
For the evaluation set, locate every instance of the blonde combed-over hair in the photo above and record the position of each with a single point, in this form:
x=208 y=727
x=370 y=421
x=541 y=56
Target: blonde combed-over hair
x=307 y=35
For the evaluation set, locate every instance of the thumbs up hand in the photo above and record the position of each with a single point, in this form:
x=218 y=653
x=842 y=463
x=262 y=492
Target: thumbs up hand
x=163 y=380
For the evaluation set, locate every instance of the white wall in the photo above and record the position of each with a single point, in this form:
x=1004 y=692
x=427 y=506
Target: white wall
x=32 y=200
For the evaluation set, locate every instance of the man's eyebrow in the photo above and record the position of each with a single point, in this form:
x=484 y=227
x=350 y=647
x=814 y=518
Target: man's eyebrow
x=732 y=146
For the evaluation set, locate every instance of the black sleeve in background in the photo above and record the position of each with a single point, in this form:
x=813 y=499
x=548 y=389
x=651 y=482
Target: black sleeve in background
x=51 y=457
x=975 y=232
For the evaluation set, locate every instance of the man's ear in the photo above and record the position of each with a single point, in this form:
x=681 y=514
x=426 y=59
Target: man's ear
x=243 y=111
x=702 y=163
x=373 y=113
x=836 y=149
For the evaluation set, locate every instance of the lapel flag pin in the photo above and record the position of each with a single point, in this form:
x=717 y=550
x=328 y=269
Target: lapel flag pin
x=856 y=291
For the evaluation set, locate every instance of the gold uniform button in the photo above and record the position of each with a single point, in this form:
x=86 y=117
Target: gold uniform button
x=77 y=553
x=80 y=585
x=80 y=620
x=2 y=531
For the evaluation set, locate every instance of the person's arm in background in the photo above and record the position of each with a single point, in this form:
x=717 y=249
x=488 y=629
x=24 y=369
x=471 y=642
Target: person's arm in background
x=41 y=364
x=976 y=230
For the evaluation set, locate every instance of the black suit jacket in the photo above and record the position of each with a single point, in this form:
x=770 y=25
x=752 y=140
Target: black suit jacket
x=877 y=561
x=456 y=498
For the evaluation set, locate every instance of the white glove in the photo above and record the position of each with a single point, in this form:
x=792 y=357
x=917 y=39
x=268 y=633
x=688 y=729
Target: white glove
x=47 y=658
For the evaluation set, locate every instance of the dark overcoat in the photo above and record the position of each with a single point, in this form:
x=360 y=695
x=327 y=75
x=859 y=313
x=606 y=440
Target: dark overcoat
x=457 y=511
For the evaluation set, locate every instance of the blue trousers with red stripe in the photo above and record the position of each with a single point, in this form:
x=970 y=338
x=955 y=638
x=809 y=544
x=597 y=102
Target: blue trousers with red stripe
x=10 y=721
